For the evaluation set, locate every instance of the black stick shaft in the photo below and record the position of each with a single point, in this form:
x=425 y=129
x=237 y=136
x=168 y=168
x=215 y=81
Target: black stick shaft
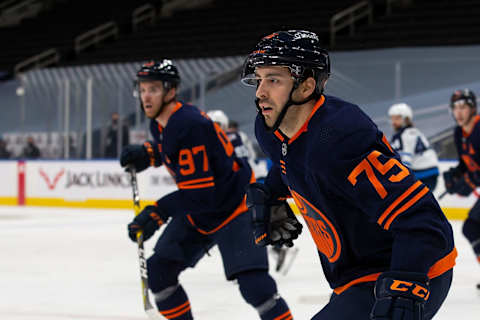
x=149 y=309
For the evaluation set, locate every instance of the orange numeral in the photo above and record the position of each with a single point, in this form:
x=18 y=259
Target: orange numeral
x=202 y=149
x=383 y=168
x=185 y=159
x=227 y=145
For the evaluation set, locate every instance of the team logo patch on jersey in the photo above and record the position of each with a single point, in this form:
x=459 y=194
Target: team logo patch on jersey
x=322 y=230
x=284 y=149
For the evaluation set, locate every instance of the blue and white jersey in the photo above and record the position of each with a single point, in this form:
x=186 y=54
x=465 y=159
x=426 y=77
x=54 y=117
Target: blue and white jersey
x=243 y=146
x=415 y=152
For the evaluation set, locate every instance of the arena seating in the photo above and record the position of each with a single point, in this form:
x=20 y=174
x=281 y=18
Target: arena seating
x=424 y=23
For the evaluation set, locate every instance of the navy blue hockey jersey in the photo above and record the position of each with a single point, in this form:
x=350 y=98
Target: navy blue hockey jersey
x=365 y=210
x=468 y=148
x=211 y=180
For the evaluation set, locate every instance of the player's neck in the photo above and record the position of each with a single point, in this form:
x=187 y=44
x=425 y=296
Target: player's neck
x=296 y=117
x=166 y=113
x=468 y=127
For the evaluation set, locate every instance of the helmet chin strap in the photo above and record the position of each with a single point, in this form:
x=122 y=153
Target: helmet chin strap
x=287 y=105
x=472 y=115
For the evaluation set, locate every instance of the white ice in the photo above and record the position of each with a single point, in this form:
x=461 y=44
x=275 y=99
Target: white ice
x=60 y=264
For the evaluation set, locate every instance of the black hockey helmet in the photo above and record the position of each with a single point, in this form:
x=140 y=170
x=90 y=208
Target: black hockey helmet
x=467 y=96
x=162 y=70
x=299 y=50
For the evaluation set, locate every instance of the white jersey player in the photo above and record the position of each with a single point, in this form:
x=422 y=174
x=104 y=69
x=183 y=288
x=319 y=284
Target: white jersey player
x=412 y=145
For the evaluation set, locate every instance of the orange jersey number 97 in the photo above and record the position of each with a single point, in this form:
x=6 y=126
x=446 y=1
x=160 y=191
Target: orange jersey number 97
x=186 y=159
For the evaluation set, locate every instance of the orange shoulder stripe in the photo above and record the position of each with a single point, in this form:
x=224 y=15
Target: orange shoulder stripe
x=397 y=202
x=467 y=134
x=304 y=128
x=407 y=205
x=178 y=105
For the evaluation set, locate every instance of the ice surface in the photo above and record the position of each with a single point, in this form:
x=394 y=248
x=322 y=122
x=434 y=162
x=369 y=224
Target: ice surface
x=61 y=264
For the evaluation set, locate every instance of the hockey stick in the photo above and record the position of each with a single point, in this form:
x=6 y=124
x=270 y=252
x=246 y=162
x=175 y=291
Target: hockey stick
x=444 y=193
x=475 y=193
x=147 y=306
x=293 y=255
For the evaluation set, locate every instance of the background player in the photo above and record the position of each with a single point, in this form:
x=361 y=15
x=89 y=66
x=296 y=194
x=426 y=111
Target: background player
x=412 y=146
x=385 y=246
x=238 y=140
x=208 y=208
x=233 y=129
x=284 y=256
x=465 y=177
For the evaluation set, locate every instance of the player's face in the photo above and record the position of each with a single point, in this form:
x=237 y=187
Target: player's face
x=397 y=122
x=152 y=95
x=273 y=90
x=463 y=113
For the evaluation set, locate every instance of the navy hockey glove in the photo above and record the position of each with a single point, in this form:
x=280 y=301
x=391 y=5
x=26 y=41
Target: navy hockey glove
x=149 y=220
x=136 y=155
x=456 y=182
x=273 y=220
x=400 y=296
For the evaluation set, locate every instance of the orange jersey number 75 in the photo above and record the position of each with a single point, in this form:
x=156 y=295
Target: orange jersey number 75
x=367 y=165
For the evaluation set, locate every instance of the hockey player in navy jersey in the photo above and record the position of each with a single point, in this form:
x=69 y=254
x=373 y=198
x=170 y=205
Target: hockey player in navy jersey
x=412 y=146
x=208 y=208
x=465 y=178
x=385 y=246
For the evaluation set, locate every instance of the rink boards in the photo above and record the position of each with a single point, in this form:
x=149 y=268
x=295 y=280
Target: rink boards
x=104 y=184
